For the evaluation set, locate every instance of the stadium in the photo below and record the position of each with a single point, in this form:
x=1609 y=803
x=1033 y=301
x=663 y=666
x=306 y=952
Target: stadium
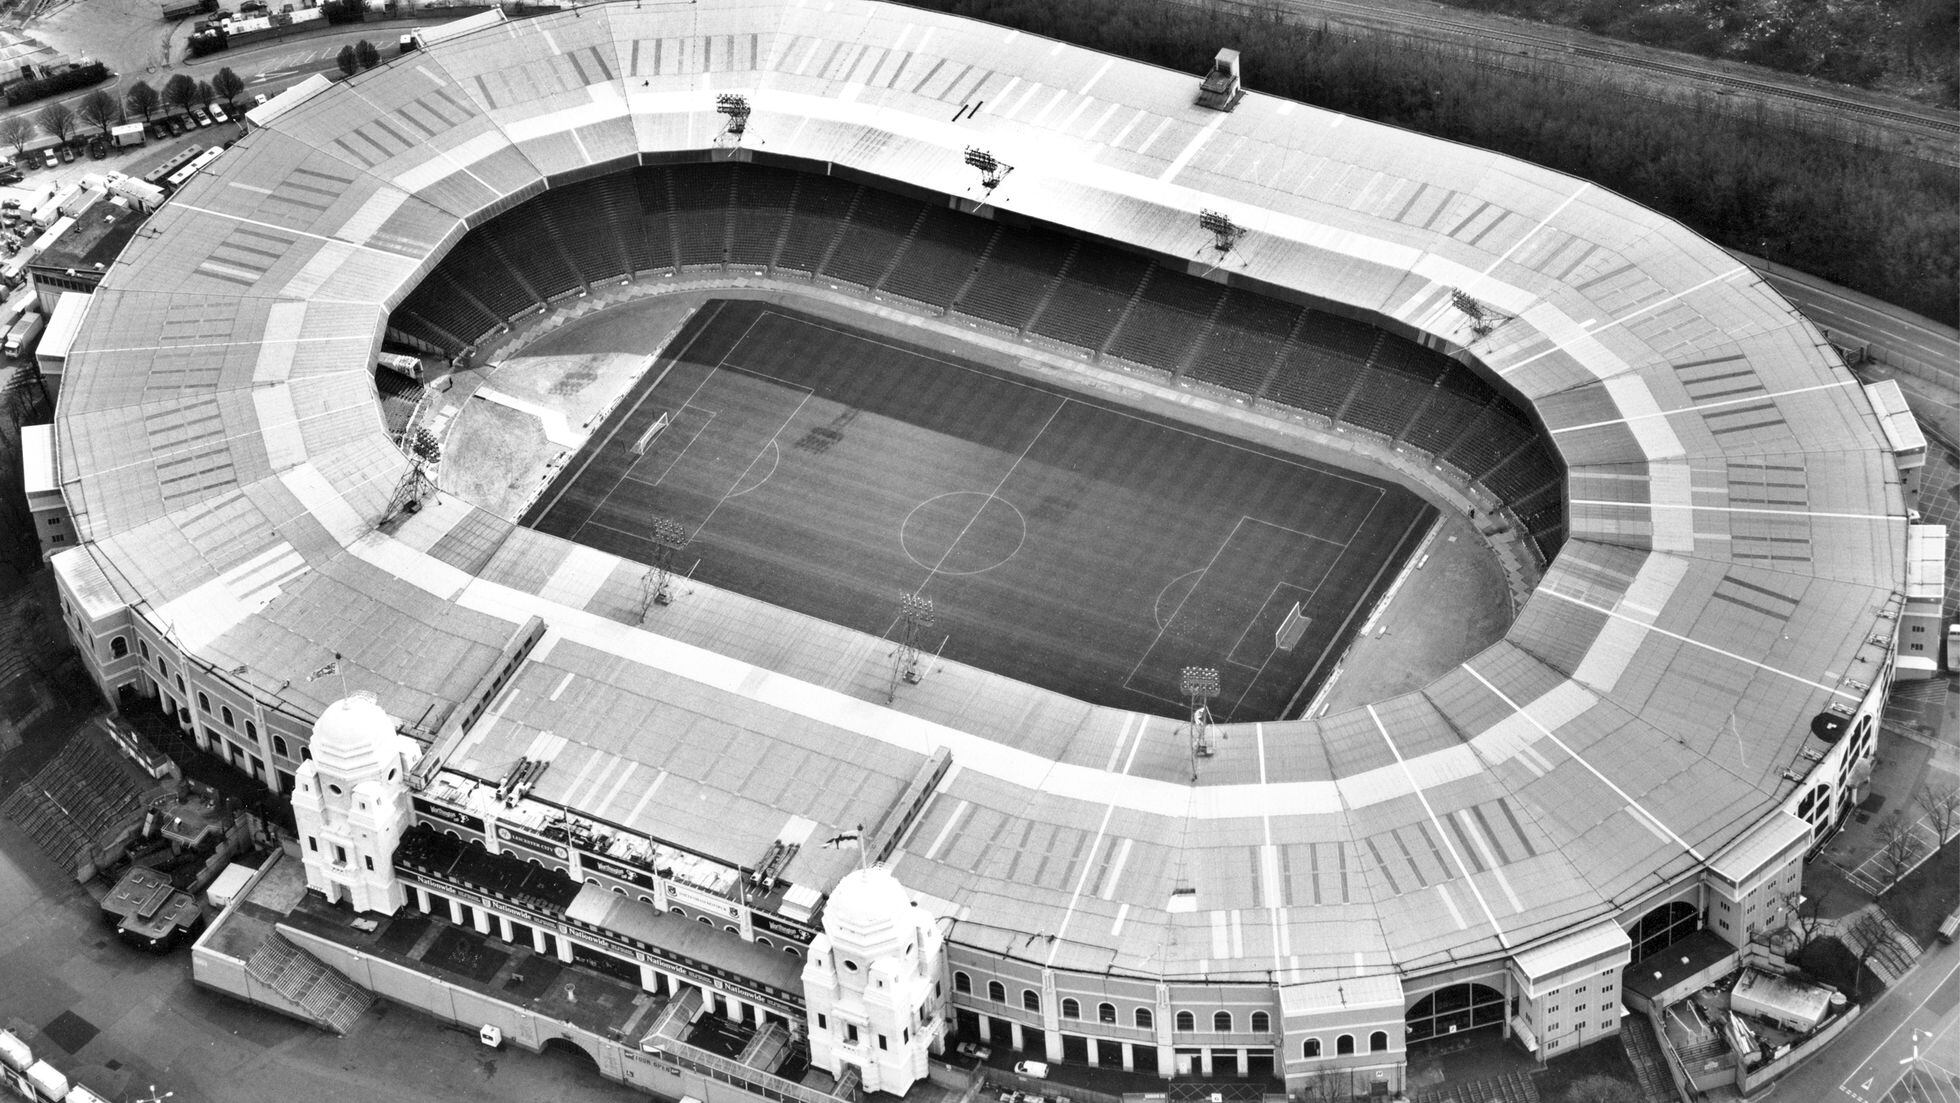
x=1702 y=493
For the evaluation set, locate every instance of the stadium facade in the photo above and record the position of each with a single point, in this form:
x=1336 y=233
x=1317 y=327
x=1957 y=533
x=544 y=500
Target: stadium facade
x=1684 y=707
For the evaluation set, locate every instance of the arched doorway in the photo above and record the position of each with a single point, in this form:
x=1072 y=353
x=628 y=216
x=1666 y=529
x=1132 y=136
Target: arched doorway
x=1454 y=1009
x=567 y=1047
x=1662 y=927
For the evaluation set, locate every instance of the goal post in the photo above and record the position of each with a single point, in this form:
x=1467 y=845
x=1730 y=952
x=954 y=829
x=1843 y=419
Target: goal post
x=1288 y=634
x=646 y=439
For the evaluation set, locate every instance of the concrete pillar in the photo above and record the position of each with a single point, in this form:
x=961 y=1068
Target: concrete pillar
x=1014 y=1032
x=1166 y=1061
x=1129 y=1056
x=1243 y=1073
x=503 y=930
x=1052 y=1042
x=987 y=1029
x=1204 y=1061
x=455 y=911
x=649 y=977
x=480 y=919
x=421 y=898
x=564 y=949
x=537 y=940
x=735 y=1010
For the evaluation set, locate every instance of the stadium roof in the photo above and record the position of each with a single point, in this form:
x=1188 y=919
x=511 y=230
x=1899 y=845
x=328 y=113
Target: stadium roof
x=1736 y=525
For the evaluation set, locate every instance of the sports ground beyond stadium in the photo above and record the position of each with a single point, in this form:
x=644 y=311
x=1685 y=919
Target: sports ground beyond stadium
x=1063 y=541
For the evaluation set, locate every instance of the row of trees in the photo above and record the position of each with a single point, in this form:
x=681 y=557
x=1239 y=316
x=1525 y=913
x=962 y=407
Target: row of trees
x=102 y=110
x=1880 y=222
x=361 y=55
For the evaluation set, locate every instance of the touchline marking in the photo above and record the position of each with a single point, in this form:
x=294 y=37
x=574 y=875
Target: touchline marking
x=1375 y=488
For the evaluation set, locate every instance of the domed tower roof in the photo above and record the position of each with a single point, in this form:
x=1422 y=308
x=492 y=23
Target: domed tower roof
x=868 y=905
x=353 y=736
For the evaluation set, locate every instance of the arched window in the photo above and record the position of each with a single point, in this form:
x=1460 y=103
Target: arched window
x=203 y=702
x=962 y=983
x=1310 y=1047
x=996 y=991
x=1262 y=1023
x=144 y=647
x=1344 y=1045
x=278 y=742
x=1071 y=1009
x=704 y=921
x=791 y=951
x=1221 y=1022
x=1030 y=999
x=1186 y=1021
x=760 y=940
x=225 y=711
x=1378 y=1042
x=1105 y=1012
x=118 y=647
x=1145 y=1020
x=251 y=730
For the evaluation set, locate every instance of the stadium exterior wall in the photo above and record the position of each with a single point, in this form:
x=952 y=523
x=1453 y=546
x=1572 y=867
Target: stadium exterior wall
x=240 y=711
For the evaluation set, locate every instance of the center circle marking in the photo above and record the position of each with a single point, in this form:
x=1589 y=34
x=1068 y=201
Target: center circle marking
x=962 y=532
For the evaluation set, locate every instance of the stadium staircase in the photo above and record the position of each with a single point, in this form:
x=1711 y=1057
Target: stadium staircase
x=1643 y=1052
x=321 y=993
x=1514 y=1086
x=80 y=793
x=1081 y=298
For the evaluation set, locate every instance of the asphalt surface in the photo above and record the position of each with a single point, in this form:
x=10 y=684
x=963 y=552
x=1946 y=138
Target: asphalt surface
x=140 y=1021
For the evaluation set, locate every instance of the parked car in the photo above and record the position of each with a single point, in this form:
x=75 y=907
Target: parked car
x=49 y=159
x=202 y=116
x=97 y=149
x=1033 y=1070
x=176 y=124
x=974 y=1050
x=67 y=153
x=218 y=114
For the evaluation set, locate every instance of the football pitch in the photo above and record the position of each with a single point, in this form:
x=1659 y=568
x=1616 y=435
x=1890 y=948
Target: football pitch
x=1064 y=541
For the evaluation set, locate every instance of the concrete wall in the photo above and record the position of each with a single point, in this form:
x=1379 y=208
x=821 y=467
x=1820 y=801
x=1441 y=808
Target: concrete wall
x=1749 y=1080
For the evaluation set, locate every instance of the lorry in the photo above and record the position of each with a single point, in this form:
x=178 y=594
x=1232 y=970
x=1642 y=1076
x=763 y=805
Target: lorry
x=184 y=9
x=128 y=134
x=21 y=338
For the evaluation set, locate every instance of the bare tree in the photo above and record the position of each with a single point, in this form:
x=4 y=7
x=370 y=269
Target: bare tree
x=1806 y=915
x=58 y=119
x=1897 y=846
x=229 y=86
x=143 y=99
x=1941 y=804
x=100 y=109
x=180 y=92
x=16 y=131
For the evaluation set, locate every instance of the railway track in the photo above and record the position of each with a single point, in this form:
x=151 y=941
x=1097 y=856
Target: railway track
x=1928 y=132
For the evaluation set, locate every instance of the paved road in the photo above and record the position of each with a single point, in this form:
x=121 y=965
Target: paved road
x=1908 y=1038
x=1566 y=53
x=152 y=1025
